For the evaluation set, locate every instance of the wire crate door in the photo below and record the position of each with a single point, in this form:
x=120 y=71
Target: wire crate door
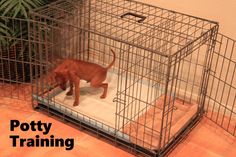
x=14 y=61
x=220 y=102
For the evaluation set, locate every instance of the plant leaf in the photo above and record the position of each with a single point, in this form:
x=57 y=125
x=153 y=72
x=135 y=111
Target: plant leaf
x=2 y=2
x=26 y=5
x=5 y=4
x=10 y=7
x=35 y=3
x=32 y=4
x=4 y=30
x=24 y=12
x=40 y=2
x=17 y=10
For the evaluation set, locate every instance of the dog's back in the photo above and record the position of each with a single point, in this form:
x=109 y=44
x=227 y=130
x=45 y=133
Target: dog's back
x=86 y=70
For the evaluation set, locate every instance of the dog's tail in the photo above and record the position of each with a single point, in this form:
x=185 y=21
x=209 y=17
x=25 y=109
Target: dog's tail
x=114 y=58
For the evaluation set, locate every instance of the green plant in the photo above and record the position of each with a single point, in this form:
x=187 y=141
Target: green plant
x=13 y=37
x=15 y=9
x=4 y=31
x=19 y=8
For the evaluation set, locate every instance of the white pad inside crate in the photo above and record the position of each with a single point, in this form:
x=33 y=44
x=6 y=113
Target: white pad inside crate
x=90 y=104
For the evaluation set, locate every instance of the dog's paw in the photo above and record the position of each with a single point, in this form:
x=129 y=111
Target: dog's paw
x=103 y=97
x=76 y=104
x=69 y=93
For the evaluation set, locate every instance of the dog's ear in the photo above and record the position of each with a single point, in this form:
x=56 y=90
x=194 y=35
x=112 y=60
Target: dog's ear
x=51 y=78
x=62 y=73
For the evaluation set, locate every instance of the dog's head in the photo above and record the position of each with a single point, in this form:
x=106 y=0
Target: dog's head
x=61 y=78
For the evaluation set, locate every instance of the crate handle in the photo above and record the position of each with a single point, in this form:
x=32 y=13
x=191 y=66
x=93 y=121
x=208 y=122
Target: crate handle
x=142 y=18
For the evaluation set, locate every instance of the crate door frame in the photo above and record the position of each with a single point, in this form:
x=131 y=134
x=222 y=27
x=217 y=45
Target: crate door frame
x=220 y=101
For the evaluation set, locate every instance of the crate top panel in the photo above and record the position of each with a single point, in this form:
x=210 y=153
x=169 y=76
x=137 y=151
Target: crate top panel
x=134 y=23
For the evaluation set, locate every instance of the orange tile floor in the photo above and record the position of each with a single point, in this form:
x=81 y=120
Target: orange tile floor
x=206 y=139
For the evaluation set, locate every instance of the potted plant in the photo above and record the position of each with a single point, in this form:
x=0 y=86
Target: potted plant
x=14 y=52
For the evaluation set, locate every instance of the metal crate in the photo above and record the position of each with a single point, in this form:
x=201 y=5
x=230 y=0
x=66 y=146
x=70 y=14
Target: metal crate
x=165 y=77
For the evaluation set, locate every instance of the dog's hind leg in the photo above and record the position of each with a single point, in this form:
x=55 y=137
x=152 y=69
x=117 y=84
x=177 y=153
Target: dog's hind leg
x=105 y=86
x=97 y=83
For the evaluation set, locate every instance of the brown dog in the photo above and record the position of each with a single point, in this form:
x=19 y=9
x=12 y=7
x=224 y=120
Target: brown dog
x=73 y=70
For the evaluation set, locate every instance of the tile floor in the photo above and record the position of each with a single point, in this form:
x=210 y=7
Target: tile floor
x=206 y=140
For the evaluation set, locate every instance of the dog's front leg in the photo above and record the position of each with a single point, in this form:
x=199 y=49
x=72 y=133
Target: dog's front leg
x=76 y=80
x=70 y=92
x=77 y=91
